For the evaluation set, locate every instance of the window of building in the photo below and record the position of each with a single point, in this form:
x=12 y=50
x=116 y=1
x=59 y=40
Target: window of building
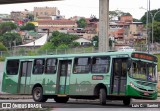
x=82 y=65
x=100 y=64
x=38 y=66
x=51 y=66
x=12 y=67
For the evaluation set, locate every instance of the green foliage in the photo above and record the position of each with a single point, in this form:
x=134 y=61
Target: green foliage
x=2 y=47
x=8 y=39
x=158 y=56
x=152 y=12
x=58 y=38
x=28 y=26
x=136 y=20
x=156 y=33
x=82 y=23
x=21 y=51
x=2 y=58
x=95 y=41
x=47 y=46
x=7 y=27
x=62 y=46
x=30 y=17
x=74 y=44
x=31 y=53
x=118 y=14
x=60 y=41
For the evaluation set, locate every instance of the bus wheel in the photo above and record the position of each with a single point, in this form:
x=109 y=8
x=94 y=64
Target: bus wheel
x=61 y=99
x=102 y=96
x=38 y=95
x=127 y=101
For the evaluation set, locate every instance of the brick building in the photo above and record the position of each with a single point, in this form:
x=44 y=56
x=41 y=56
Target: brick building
x=54 y=25
x=45 y=11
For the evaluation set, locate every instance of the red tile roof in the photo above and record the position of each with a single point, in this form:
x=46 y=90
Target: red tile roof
x=56 y=21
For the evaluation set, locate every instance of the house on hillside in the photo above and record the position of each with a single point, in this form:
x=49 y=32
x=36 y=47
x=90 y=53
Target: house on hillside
x=34 y=44
x=83 y=41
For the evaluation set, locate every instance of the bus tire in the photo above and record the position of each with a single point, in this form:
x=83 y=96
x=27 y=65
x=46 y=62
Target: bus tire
x=38 y=95
x=102 y=96
x=127 y=101
x=61 y=99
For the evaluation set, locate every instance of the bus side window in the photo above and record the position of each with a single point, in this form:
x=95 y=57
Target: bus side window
x=38 y=66
x=81 y=65
x=12 y=67
x=51 y=66
x=100 y=64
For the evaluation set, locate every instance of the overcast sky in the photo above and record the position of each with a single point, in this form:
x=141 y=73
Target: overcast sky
x=85 y=8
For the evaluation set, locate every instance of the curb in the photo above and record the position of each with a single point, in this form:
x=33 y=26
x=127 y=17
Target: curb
x=5 y=97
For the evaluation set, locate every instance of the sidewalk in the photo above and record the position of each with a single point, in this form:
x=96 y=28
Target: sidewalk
x=7 y=96
x=143 y=100
x=30 y=97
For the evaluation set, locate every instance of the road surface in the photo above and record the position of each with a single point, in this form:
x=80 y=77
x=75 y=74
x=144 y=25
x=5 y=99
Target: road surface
x=85 y=105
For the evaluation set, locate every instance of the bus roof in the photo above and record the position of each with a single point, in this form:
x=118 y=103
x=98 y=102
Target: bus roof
x=76 y=55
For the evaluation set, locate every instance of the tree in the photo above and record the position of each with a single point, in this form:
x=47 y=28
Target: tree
x=7 y=27
x=58 y=38
x=136 y=20
x=152 y=12
x=2 y=47
x=82 y=23
x=95 y=41
x=28 y=26
x=11 y=39
x=118 y=14
x=30 y=17
x=60 y=41
x=156 y=31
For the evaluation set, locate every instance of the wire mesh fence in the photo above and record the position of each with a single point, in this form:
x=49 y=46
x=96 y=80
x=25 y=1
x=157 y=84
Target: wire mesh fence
x=32 y=52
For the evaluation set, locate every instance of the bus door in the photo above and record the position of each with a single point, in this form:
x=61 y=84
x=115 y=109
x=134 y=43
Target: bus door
x=24 y=77
x=64 y=71
x=119 y=76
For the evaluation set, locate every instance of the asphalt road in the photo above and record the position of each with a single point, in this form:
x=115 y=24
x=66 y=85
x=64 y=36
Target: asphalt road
x=86 y=105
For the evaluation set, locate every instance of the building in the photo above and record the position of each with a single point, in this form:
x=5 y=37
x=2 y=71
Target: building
x=4 y=16
x=54 y=25
x=45 y=11
x=126 y=19
x=83 y=41
x=17 y=16
x=126 y=32
x=20 y=16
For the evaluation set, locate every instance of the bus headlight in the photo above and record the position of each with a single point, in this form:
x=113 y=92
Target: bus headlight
x=132 y=85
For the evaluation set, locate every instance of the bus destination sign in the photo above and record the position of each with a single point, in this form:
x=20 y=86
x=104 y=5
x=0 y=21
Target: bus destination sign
x=144 y=56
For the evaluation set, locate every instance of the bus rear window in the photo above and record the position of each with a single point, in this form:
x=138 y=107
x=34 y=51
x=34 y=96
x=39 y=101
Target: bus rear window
x=12 y=67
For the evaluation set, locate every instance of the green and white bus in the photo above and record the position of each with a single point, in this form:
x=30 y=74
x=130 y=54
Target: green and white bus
x=103 y=76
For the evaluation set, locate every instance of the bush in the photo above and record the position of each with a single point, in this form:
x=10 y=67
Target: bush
x=2 y=58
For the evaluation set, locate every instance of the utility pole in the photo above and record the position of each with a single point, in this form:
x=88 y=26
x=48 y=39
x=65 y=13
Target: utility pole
x=103 y=25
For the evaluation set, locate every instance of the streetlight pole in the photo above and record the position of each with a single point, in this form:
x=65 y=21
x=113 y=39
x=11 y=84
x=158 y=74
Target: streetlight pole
x=148 y=34
x=147 y=37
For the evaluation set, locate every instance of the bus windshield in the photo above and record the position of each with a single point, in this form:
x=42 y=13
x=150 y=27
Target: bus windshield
x=143 y=71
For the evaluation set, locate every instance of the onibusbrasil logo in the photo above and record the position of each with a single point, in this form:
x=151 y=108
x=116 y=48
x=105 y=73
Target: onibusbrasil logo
x=20 y=105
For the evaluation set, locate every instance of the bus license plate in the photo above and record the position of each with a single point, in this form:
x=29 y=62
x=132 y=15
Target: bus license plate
x=146 y=93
